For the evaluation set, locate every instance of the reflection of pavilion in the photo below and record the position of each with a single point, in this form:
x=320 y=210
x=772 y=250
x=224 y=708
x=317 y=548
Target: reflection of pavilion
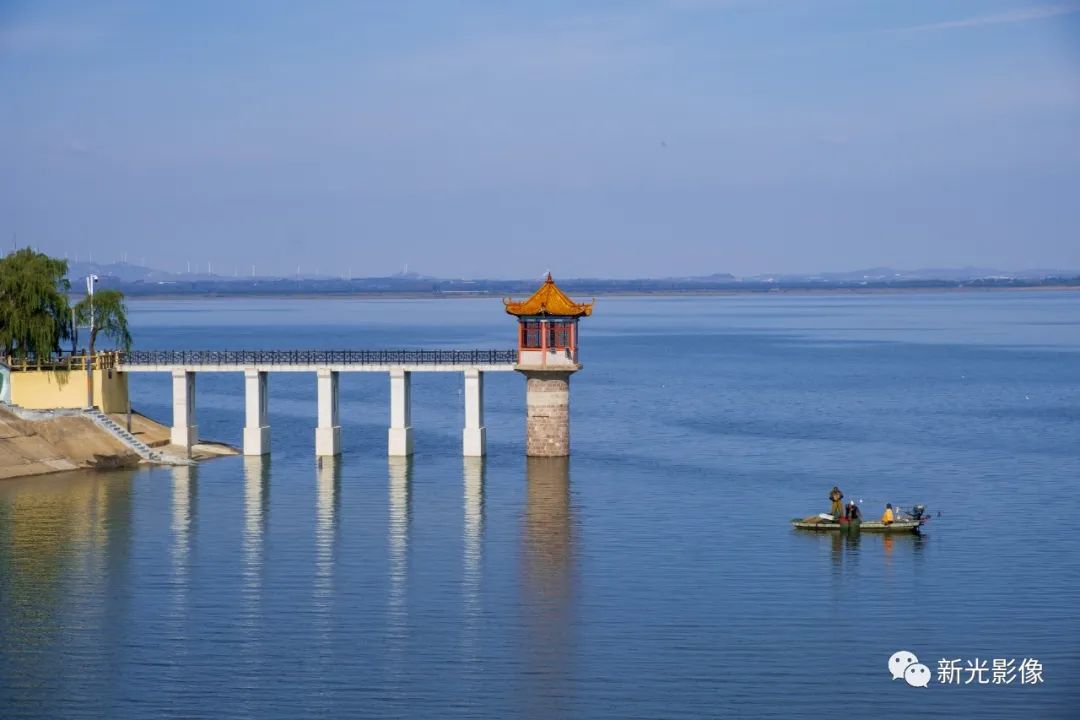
x=548 y=562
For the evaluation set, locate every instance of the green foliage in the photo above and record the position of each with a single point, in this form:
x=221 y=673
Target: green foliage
x=34 y=312
x=110 y=318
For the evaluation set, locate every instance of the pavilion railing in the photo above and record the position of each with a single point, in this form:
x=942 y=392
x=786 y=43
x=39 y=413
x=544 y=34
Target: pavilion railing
x=251 y=358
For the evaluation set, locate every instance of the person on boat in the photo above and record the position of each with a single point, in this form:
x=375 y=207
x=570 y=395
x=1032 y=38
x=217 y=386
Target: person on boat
x=836 y=509
x=853 y=513
x=887 y=517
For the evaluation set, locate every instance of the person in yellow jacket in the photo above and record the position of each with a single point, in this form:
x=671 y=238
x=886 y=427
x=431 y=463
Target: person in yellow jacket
x=835 y=496
x=887 y=516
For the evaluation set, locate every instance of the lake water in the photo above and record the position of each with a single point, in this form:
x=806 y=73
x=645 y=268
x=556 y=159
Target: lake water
x=653 y=575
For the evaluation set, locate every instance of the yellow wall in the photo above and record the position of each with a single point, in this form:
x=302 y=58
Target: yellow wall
x=47 y=389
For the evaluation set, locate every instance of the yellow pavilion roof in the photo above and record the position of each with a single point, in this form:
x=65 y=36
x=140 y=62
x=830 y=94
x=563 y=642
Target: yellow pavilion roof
x=548 y=300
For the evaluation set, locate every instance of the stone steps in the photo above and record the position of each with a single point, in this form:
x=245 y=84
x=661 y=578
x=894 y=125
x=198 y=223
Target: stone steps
x=139 y=447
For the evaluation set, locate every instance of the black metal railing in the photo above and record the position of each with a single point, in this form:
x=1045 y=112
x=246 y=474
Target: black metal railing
x=251 y=358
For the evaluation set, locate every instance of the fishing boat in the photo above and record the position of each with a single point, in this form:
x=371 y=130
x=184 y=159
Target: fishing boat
x=906 y=522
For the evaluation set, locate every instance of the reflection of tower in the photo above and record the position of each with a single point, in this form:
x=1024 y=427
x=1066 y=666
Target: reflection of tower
x=400 y=514
x=548 y=585
x=473 y=475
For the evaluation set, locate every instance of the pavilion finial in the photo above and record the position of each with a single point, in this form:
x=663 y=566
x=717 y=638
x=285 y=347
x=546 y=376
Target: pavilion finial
x=549 y=277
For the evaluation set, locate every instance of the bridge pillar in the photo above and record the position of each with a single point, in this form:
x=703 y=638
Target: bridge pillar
x=474 y=436
x=328 y=432
x=257 y=425
x=401 y=441
x=185 y=432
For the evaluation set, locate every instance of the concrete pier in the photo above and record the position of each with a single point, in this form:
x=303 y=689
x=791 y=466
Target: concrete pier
x=547 y=404
x=474 y=436
x=328 y=432
x=256 y=424
x=400 y=436
x=185 y=432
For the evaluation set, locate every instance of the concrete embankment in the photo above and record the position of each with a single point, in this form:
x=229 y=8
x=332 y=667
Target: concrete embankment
x=37 y=444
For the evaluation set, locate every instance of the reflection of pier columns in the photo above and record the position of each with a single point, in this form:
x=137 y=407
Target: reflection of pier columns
x=328 y=432
x=400 y=503
x=474 y=435
x=473 y=474
x=327 y=499
x=185 y=432
x=474 y=509
x=256 y=512
x=400 y=508
x=548 y=563
x=185 y=484
x=179 y=618
x=257 y=425
x=401 y=441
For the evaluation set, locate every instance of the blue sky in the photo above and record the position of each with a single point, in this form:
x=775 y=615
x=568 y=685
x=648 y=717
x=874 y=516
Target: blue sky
x=484 y=139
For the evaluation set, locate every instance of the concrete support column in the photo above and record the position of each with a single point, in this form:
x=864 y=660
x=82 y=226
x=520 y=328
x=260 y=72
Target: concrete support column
x=474 y=436
x=185 y=432
x=328 y=432
x=547 y=402
x=256 y=424
x=400 y=441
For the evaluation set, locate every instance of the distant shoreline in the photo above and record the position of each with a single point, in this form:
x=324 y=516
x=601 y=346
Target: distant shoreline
x=456 y=295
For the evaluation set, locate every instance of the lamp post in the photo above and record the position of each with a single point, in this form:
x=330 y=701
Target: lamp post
x=90 y=281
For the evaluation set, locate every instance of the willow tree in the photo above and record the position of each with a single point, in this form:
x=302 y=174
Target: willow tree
x=105 y=313
x=34 y=312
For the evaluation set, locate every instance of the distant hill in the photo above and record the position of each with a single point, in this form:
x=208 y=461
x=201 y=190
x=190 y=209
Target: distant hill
x=140 y=280
x=886 y=274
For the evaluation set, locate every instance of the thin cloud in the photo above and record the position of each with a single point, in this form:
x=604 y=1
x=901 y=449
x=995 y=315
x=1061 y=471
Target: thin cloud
x=48 y=38
x=1039 y=12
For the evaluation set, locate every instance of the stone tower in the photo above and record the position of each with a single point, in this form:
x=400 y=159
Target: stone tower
x=547 y=357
